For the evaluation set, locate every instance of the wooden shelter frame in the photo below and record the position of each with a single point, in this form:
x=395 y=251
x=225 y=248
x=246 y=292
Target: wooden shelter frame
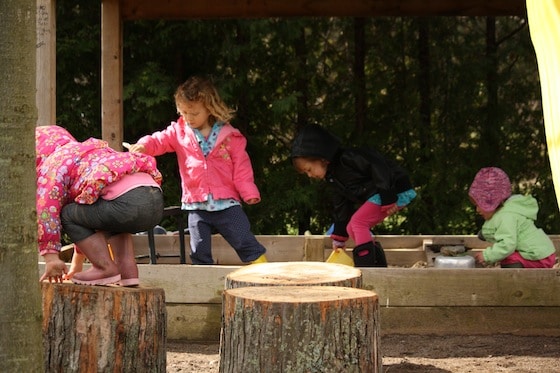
x=115 y=12
x=491 y=301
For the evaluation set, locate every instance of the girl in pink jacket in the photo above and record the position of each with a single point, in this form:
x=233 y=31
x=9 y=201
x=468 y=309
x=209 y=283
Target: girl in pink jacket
x=216 y=172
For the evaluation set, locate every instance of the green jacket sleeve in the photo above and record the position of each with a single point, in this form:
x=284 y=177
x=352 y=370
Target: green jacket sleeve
x=501 y=231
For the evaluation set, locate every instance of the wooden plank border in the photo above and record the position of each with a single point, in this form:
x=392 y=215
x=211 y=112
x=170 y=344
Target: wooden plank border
x=403 y=251
x=202 y=322
x=396 y=287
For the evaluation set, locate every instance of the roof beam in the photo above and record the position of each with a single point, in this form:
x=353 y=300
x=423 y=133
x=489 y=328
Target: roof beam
x=181 y=9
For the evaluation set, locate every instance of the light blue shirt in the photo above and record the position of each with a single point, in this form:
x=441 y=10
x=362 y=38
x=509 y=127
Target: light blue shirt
x=403 y=198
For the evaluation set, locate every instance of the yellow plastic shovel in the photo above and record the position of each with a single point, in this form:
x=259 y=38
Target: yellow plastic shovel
x=339 y=256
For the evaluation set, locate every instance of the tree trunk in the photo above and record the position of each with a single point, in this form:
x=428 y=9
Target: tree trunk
x=300 y=329
x=103 y=329
x=20 y=307
x=295 y=273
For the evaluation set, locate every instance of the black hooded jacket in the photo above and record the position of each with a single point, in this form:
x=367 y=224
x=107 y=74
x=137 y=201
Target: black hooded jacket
x=355 y=173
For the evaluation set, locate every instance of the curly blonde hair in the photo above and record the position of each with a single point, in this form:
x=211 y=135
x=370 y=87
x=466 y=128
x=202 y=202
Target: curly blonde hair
x=201 y=89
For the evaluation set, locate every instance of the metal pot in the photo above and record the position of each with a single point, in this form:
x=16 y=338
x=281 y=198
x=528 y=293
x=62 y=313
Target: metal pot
x=463 y=261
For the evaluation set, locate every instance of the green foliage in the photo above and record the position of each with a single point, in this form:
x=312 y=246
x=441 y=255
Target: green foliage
x=439 y=97
x=78 y=67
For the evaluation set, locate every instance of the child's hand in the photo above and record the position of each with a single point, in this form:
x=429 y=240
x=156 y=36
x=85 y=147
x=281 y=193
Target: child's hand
x=55 y=268
x=338 y=244
x=137 y=148
x=479 y=257
x=390 y=209
x=252 y=201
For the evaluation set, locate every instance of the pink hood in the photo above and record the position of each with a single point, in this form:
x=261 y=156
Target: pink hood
x=48 y=139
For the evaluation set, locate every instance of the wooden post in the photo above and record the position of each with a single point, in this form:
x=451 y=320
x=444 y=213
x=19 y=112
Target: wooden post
x=295 y=273
x=112 y=122
x=300 y=329
x=46 y=62
x=103 y=328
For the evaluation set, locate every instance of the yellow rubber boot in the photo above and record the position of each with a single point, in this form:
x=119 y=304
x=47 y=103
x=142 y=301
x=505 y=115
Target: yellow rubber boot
x=260 y=259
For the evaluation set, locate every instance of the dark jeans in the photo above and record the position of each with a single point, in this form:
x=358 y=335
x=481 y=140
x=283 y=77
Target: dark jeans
x=232 y=224
x=137 y=210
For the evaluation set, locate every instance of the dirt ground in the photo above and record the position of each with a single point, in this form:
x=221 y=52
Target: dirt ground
x=414 y=353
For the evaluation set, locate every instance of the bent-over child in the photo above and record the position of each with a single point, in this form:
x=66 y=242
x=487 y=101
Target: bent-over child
x=368 y=187
x=99 y=197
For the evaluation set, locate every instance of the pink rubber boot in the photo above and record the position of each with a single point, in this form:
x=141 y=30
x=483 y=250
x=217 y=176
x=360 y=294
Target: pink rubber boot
x=103 y=270
x=123 y=251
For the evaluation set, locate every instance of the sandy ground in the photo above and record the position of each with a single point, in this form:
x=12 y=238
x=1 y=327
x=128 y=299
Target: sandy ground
x=414 y=353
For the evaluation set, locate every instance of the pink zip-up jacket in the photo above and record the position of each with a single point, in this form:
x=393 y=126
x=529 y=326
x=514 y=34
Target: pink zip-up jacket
x=225 y=173
x=72 y=171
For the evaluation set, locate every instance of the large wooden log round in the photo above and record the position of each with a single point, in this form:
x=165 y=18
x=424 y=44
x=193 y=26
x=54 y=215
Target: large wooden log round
x=295 y=273
x=103 y=329
x=300 y=329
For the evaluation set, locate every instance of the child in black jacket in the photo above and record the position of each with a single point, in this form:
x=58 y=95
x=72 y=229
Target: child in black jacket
x=368 y=188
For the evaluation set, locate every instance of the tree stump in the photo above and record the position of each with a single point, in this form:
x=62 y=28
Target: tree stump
x=103 y=328
x=295 y=273
x=300 y=329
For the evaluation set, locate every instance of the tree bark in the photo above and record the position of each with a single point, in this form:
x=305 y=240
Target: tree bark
x=20 y=307
x=300 y=329
x=103 y=329
x=295 y=273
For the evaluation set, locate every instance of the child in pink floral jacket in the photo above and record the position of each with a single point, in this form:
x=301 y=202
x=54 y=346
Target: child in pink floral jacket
x=98 y=196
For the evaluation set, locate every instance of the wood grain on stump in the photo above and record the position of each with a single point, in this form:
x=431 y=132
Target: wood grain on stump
x=300 y=329
x=295 y=273
x=103 y=328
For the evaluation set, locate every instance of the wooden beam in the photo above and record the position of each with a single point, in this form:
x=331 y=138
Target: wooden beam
x=201 y=322
x=400 y=250
x=46 y=62
x=536 y=321
x=111 y=74
x=396 y=287
x=180 y=9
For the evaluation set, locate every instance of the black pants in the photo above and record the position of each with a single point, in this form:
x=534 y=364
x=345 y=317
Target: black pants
x=232 y=224
x=137 y=210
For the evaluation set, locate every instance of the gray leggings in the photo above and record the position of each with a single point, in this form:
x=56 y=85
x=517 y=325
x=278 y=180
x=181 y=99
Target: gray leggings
x=137 y=210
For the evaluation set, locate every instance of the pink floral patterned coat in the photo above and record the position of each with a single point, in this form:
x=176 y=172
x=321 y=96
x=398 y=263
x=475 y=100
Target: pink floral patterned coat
x=71 y=171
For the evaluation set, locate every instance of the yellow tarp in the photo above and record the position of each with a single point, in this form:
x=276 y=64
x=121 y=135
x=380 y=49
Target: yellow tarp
x=544 y=26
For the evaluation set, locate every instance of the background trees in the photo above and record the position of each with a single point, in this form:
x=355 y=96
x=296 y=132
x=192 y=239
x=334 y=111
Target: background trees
x=444 y=95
